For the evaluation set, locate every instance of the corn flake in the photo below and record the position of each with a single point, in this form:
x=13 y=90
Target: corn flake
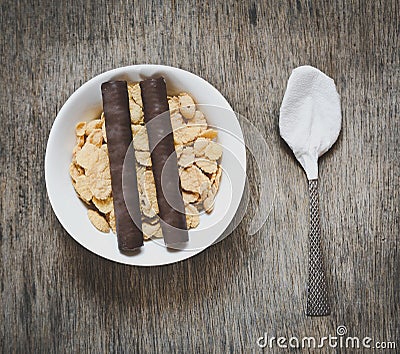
x=192 y=216
x=186 y=106
x=98 y=221
x=186 y=157
x=143 y=158
x=82 y=187
x=213 y=151
x=95 y=137
x=206 y=166
x=94 y=124
x=103 y=205
x=192 y=179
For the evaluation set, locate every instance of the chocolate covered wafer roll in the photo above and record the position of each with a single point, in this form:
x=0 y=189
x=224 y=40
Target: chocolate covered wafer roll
x=119 y=139
x=164 y=161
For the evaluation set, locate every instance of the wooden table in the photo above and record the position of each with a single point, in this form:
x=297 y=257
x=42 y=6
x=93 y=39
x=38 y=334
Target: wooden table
x=58 y=297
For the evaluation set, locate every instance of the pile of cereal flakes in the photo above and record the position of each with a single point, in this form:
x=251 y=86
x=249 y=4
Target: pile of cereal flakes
x=198 y=159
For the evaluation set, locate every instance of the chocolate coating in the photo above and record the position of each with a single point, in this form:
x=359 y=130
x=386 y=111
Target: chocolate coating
x=119 y=139
x=164 y=161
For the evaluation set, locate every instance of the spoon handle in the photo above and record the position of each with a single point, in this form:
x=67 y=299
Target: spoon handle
x=317 y=295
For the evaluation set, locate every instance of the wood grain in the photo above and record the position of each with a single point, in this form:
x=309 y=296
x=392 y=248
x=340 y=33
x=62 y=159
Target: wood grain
x=57 y=297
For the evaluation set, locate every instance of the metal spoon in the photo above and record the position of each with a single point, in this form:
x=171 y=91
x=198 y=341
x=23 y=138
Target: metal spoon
x=310 y=122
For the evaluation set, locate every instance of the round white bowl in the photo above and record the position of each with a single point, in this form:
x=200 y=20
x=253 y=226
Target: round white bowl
x=85 y=104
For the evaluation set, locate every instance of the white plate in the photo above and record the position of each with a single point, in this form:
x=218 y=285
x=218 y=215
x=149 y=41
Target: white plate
x=85 y=104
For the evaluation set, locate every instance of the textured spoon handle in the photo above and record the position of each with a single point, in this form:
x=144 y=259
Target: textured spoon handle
x=317 y=295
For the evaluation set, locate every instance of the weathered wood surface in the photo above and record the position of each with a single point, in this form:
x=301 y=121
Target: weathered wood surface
x=58 y=297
